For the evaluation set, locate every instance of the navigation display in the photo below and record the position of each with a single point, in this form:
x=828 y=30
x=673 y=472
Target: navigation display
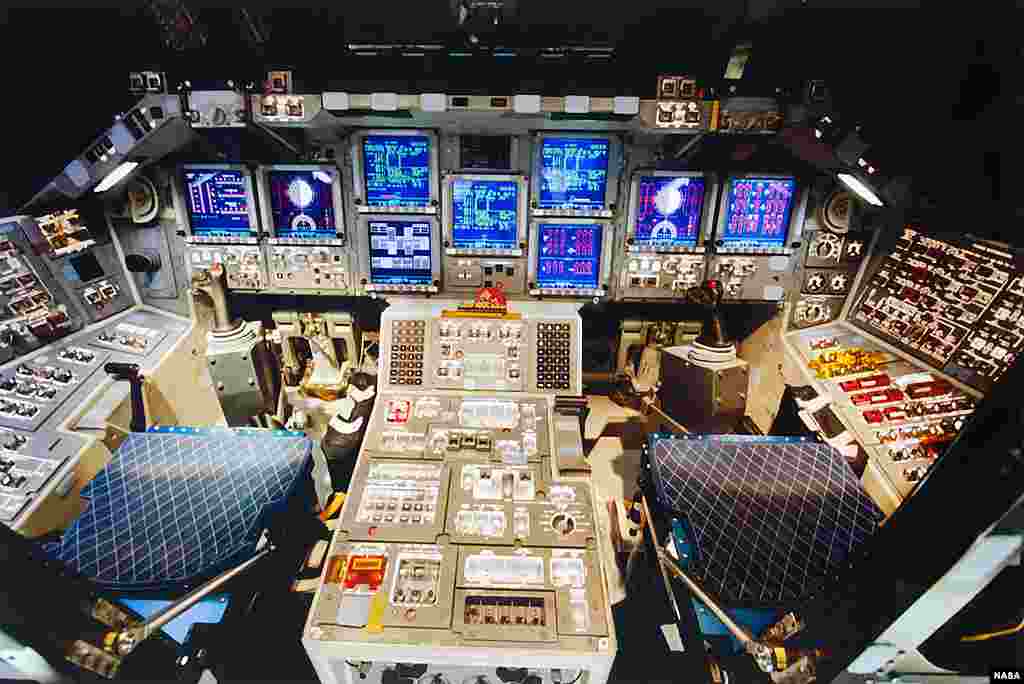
x=484 y=213
x=396 y=170
x=568 y=255
x=574 y=173
x=218 y=203
x=668 y=210
x=757 y=211
x=400 y=252
x=302 y=203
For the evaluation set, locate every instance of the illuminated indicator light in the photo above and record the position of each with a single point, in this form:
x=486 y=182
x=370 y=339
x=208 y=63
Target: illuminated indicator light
x=861 y=190
x=116 y=176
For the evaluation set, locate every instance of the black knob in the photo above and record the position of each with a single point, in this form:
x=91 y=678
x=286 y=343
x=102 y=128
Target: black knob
x=142 y=263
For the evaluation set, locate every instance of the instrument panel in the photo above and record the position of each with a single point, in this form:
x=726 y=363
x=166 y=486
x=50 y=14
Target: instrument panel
x=932 y=326
x=399 y=215
x=532 y=351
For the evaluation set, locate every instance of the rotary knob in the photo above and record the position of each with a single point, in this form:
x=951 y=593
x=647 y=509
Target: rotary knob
x=827 y=247
x=838 y=282
x=815 y=282
x=813 y=312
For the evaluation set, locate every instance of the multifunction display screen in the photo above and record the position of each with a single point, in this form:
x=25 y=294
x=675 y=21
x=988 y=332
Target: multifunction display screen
x=573 y=173
x=302 y=203
x=218 y=203
x=400 y=252
x=757 y=212
x=484 y=213
x=396 y=170
x=668 y=210
x=568 y=255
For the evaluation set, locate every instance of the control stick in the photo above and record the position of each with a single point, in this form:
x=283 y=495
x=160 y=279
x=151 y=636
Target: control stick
x=211 y=283
x=132 y=373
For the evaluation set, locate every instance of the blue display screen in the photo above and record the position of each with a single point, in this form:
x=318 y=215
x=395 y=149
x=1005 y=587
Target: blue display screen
x=400 y=252
x=568 y=255
x=302 y=204
x=668 y=210
x=218 y=203
x=757 y=212
x=484 y=213
x=574 y=173
x=396 y=170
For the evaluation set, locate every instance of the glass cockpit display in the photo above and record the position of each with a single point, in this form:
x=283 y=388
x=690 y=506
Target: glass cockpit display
x=573 y=173
x=568 y=255
x=396 y=170
x=302 y=203
x=484 y=213
x=400 y=252
x=757 y=212
x=218 y=203
x=668 y=210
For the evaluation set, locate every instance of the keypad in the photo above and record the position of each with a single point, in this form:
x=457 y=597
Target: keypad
x=554 y=354
x=407 y=340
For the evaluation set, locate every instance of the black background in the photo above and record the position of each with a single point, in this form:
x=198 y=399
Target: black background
x=932 y=89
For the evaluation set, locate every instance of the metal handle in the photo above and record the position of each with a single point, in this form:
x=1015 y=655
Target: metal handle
x=124 y=642
x=761 y=653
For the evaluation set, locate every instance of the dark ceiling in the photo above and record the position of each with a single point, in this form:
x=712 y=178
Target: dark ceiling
x=932 y=90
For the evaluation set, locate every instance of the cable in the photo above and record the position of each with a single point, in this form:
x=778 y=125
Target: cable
x=580 y=674
x=993 y=635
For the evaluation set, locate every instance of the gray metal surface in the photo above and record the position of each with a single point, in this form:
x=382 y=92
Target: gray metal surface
x=34 y=389
x=245 y=265
x=715 y=398
x=153 y=241
x=497 y=348
x=501 y=504
x=36 y=457
x=230 y=359
x=308 y=267
x=416 y=426
x=418 y=579
x=129 y=338
x=391 y=500
x=573 y=574
x=102 y=304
